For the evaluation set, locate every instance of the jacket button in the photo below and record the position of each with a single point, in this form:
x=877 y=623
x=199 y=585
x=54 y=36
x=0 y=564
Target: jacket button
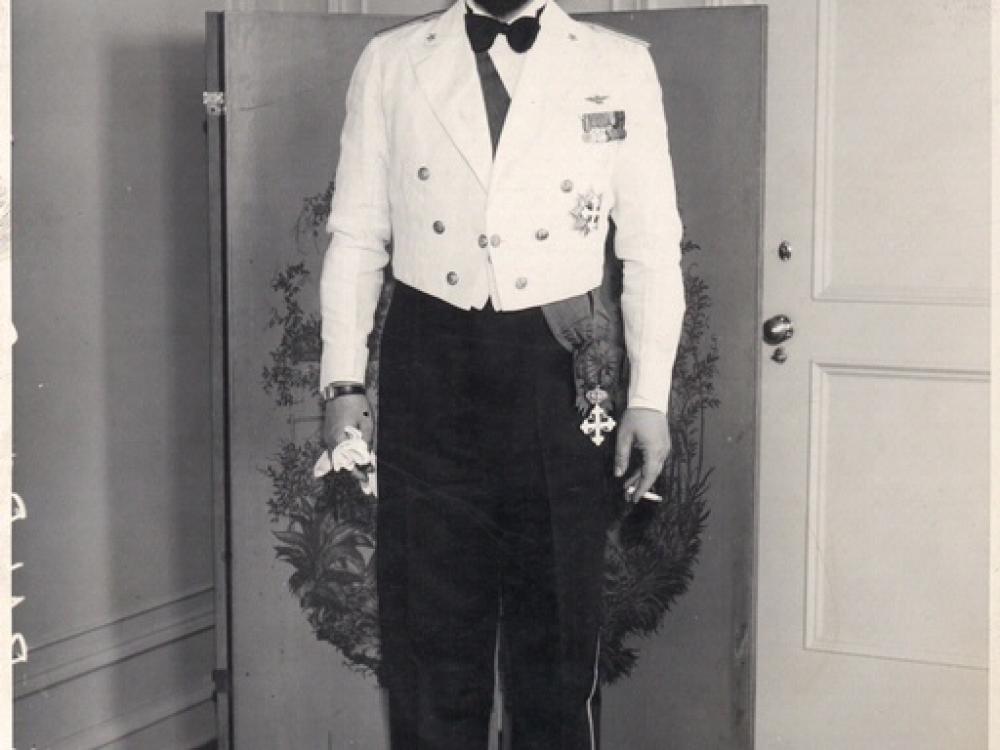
x=424 y=173
x=542 y=234
x=484 y=241
x=521 y=283
x=452 y=278
x=567 y=186
x=439 y=227
x=495 y=240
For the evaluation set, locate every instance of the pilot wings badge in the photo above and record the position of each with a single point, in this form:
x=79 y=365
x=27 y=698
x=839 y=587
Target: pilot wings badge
x=587 y=213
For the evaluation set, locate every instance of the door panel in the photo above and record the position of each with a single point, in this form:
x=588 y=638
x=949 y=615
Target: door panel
x=923 y=605
x=693 y=685
x=285 y=78
x=900 y=171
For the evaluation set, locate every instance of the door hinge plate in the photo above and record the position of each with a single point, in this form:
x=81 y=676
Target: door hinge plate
x=215 y=103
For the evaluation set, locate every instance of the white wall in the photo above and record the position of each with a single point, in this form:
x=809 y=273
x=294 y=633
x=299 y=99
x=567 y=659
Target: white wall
x=111 y=395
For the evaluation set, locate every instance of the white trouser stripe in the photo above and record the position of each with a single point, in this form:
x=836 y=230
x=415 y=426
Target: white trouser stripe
x=590 y=698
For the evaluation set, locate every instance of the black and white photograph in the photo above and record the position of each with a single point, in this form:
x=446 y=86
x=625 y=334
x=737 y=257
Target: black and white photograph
x=498 y=374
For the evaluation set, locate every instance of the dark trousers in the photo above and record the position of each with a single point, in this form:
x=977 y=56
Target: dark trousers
x=493 y=508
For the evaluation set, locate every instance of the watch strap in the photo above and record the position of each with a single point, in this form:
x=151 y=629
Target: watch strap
x=343 y=389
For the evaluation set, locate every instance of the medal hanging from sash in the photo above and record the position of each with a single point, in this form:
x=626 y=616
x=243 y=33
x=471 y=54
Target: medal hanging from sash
x=589 y=325
x=598 y=422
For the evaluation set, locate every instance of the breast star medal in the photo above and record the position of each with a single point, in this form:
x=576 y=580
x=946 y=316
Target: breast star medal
x=598 y=423
x=587 y=213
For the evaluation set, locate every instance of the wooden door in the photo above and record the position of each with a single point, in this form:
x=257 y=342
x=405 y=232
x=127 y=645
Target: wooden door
x=872 y=606
x=285 y=77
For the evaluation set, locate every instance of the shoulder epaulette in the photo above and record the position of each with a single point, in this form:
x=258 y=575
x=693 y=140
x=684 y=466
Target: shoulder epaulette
x=615 y=32
x=411 y=22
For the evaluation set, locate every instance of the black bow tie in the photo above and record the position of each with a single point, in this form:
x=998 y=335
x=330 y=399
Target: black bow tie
x=520 y=35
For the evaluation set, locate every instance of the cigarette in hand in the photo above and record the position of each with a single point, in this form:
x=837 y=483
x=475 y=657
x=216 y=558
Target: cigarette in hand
x=646 y=495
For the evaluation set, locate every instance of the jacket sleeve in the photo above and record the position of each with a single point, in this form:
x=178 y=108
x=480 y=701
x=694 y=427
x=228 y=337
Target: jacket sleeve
x=353 y=267
x=647 y=240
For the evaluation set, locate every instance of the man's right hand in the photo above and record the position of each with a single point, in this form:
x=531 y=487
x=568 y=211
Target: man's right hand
x=352 y=410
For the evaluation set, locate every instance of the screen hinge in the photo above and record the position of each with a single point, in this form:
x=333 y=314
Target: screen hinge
x=221 y=679
x=215 y=103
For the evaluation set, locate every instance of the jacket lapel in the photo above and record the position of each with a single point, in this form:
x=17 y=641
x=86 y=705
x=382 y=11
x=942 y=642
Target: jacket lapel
x=445 y=67
x=550 y=68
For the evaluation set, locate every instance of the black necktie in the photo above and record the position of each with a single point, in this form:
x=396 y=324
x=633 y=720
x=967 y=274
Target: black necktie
x=483 y=30
x=495 y=97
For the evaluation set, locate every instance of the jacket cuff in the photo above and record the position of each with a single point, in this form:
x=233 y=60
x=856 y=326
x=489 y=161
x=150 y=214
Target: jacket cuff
x=638 y=402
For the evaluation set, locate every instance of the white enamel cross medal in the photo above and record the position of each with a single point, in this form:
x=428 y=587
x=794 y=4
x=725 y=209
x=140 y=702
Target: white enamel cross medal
x=598 y=423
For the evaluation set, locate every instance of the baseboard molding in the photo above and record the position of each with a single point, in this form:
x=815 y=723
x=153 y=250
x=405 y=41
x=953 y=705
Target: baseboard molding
x=142 y=718
x=70 y=657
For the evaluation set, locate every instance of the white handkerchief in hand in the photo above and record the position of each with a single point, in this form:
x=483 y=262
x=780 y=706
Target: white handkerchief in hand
x=350 y=454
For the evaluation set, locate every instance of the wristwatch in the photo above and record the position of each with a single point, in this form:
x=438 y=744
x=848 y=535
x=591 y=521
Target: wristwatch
x=342 y=389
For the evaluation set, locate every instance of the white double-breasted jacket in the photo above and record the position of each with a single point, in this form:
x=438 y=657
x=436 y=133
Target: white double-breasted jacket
x=416 y=168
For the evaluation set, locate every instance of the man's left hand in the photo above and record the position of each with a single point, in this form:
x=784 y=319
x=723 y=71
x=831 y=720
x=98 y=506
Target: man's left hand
x=644 y=430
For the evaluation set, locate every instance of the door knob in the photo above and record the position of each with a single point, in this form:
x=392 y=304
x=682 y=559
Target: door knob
x=778 y=329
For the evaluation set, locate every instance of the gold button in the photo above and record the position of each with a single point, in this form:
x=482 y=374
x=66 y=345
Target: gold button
x=521 y=283
x=439 y=227
x=495 y=240
x=567 y=186
x=452 y=278
x=541 y=235
x=424 y=173
x=483 y=240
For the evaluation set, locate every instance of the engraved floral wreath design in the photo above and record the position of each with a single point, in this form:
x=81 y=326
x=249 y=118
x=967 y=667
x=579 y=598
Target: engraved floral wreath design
x=327 y=526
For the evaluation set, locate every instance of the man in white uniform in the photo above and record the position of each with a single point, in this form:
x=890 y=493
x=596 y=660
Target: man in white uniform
x=493 y=145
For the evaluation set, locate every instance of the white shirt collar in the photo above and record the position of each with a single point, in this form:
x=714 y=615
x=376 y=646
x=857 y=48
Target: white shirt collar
x=528 y=10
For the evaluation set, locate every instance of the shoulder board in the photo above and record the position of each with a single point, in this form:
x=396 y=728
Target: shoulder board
x=411 y=22
x=615 y=32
